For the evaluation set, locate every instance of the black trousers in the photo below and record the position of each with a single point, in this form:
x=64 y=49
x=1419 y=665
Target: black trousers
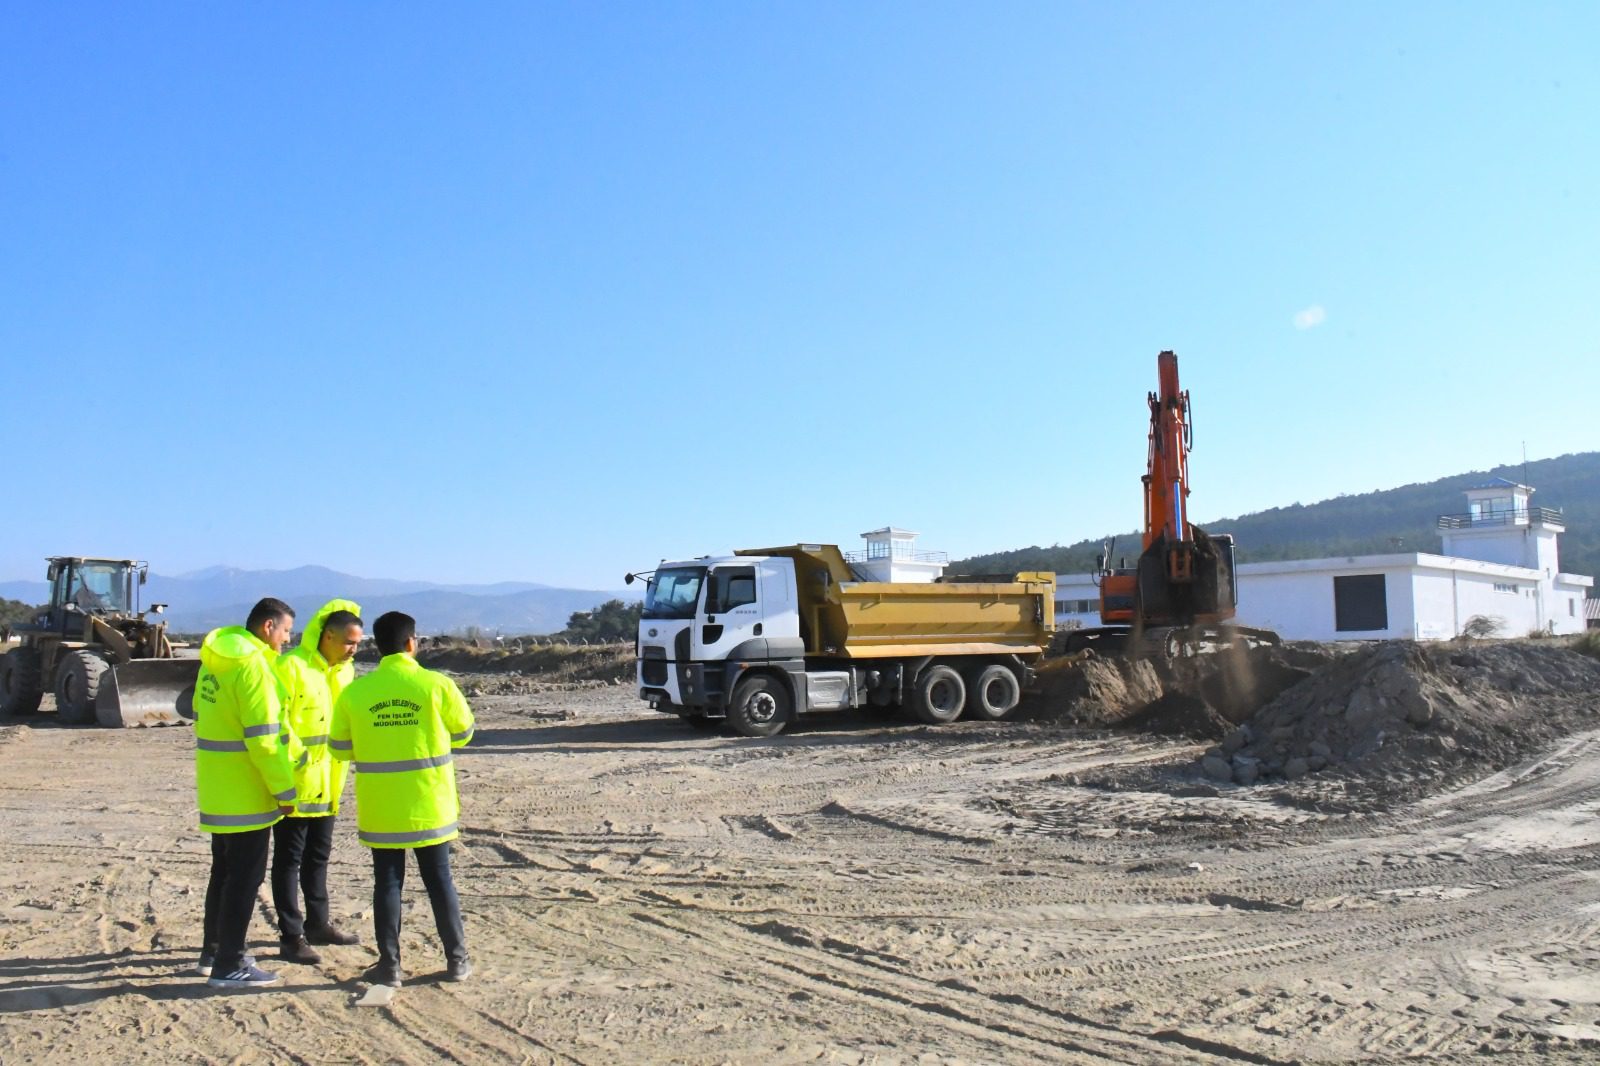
x=389 y=874
x=238 y=866
x=300 y=851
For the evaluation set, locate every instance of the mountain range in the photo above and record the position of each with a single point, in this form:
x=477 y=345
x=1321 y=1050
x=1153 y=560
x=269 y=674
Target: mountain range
x=221 y=595
x=1390 y=520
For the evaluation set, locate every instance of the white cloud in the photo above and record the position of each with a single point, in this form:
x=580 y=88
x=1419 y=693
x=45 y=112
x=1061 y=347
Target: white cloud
x=1310 y=318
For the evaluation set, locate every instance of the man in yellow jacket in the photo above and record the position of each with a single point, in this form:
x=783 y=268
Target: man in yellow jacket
x=243 y=779
x=399 y=726
x=311 y=677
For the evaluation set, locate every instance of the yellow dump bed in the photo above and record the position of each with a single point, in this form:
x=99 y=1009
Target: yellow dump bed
x=851 y=619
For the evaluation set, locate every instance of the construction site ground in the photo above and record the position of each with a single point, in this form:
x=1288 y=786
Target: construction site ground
x=857 y=890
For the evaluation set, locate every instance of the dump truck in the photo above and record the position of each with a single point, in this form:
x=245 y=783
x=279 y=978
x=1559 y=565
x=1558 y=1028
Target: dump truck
x=763 y=635
x=105 y=660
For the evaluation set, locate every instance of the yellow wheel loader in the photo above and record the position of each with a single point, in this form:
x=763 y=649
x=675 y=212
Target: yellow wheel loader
x=104 y=659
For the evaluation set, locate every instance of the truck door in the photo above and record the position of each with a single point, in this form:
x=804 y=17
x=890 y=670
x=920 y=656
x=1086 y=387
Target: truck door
x=732 y=613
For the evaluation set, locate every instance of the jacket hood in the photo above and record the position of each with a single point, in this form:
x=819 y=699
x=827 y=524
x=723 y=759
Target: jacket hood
x=231 y=646
x=311 y=639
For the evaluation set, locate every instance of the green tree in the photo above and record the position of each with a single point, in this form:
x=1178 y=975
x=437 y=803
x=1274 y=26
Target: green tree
x=612 y=622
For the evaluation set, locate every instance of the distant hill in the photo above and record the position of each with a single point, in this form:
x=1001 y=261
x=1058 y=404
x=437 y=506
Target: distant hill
x=216 y=596
x=1400 y=519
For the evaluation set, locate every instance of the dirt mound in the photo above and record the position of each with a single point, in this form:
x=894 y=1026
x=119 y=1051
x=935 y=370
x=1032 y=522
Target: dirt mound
x=1202 y=696
x=1411 y=714
x=528 y=668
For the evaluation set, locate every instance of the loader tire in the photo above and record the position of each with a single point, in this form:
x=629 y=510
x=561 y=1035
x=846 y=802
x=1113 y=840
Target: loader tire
x=760 y=707
x=993 y=694
x=21 y=680
x=77 y=684
x=940 y=695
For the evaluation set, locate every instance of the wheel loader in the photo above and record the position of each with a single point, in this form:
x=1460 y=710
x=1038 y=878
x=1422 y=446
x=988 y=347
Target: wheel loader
x=104 y=659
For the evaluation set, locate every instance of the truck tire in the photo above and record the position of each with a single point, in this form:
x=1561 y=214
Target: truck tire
x=940 y=694
x=21 y=683
x=993 y=694
x=760 y=707
x=77 y=684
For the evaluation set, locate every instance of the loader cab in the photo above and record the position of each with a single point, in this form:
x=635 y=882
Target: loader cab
x=80 y=587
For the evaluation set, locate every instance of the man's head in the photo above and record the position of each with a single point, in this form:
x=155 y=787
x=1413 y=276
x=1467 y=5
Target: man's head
x=395 y=633
x=272 y=621
x=341 y=634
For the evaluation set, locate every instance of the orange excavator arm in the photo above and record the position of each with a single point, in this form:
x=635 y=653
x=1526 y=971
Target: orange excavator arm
x=1183 y=576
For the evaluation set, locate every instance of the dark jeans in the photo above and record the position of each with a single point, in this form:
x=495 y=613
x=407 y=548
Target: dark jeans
x=238 y=865
x=389 y=874
x=300 y=851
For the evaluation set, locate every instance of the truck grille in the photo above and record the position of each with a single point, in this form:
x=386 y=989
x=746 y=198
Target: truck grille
x=653 y=665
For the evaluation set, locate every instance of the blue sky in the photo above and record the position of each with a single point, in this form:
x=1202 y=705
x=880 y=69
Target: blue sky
x=548 y=292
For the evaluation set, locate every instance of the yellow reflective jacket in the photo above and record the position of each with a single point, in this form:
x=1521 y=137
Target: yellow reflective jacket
x=242 y=766
x=399 y=726
x=309 y=687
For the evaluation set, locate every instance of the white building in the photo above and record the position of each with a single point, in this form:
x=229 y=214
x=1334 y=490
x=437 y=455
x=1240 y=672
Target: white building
x=891 y=555
x=1499 y=562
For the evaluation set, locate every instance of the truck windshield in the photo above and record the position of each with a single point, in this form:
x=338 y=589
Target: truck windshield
x=674 y=593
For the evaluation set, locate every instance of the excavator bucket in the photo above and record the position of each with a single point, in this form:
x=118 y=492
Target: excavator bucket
x=147 y=692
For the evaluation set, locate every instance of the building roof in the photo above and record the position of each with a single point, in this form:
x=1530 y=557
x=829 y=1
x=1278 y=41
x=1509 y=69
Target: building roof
x=893 y=531
x=1501 y=483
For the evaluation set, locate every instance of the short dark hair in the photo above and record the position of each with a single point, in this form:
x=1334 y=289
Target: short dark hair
x=392 y=630
x=339 y=620
x=267 y=610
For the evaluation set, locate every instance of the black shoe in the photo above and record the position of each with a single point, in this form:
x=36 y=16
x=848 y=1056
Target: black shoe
x=460 y=969
x=383 y=974
x=331 y=934
x=295 y=949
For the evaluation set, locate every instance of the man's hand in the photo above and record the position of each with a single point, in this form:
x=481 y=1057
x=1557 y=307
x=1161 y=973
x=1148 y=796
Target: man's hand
x=286 y=809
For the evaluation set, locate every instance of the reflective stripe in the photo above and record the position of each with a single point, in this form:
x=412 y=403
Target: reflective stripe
x=405 y=838
x=312 y=742
x=238 y=819
x=283 y=738
x=219 y=745
x=286 y=795
x=315 y=808
x=461 y=737
x=403 y=764
x=260 y=730
x=339 y=745
x=305 y=757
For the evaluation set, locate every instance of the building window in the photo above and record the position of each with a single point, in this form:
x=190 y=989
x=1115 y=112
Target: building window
x=1360 y=603
x=1499 y=587
x=1077 y=606
x=1572 y=608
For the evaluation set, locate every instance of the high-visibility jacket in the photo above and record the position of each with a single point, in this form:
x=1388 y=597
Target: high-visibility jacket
x=399 y=726
x=310 y=686
x=242 y=767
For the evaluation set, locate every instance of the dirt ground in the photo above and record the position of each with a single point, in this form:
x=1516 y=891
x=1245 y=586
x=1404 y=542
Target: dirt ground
x=854 y=891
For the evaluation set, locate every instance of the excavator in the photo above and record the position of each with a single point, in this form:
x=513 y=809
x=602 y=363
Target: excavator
x=106 y=661
x=1175 y=598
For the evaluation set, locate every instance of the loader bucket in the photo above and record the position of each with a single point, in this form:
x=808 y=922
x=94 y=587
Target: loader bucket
x=147 y=692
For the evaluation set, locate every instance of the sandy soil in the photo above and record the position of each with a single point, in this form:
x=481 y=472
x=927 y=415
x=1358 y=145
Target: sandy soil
x=855 y=891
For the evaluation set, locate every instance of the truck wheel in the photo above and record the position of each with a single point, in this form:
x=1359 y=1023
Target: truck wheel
x=760 y=707
x=77 y=684
x=940 y=695
x=994 y=694
x=21 y=683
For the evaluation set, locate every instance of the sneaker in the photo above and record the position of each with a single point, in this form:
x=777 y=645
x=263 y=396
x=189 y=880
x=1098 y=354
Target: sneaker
x=295 y=949
x=246 y=976
x=208 y=959
x=383 y=974
x=331 y=934
x=460 y=969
